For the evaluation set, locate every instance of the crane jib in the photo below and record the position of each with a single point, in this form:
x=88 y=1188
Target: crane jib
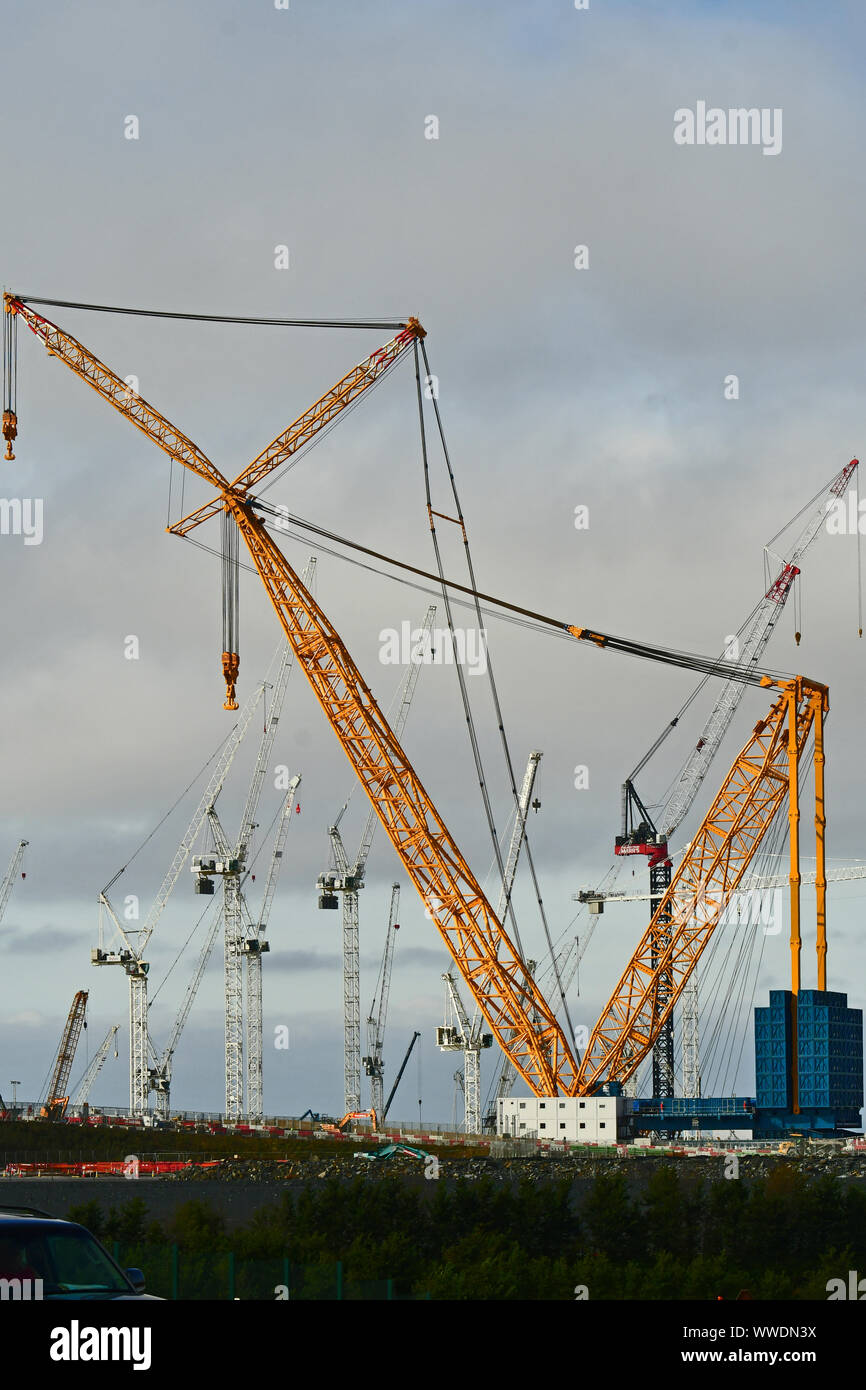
x=503 y=987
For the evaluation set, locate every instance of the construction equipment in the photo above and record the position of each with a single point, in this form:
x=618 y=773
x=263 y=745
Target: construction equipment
x=764 y=774
x=750 y=883
x=467 y=1038
x=11 y=875
x=85 y=1085
x=347 y=880
x=130 y=953
x=394 y=1151
x=377 y=1017
x=399 y=1077
x=473 y=1039
x=242 y=950
x=347 y=1120
x=249 y=937
x=254 y=946
x=497 y=976
x=640 y=835
x=57 y=1099
x=246 y=951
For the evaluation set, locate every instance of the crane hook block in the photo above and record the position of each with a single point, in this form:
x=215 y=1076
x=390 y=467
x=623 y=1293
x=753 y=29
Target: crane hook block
x=10 y=430
x=231 y=665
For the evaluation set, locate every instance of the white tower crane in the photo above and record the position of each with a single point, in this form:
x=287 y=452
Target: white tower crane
x=11 y=875
x=377 y=1017
x=235 y=952
x=347 y=880
x=254 y=946
x=85 y=1085
x=472 y=1040
x=160 y=1073
x=250 y=936
x=129 y=951
x=463 y=1036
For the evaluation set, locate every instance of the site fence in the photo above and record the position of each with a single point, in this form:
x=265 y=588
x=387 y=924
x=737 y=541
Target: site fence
x=285 y=1126
x=174 y=1274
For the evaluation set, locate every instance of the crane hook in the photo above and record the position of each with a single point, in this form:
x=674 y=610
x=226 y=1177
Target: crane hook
x=231 y=666
x=10 y=430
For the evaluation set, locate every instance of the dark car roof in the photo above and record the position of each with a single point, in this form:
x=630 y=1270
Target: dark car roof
x=32 y=1217
x=6 y=1210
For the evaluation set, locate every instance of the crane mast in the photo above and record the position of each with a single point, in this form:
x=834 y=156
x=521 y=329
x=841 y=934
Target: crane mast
x=58 y=1098
x=159 y=1076
x=11 y=875
x=254 y=946
x=499 y=980
x=348 y=880
x=237 y=954
x=86 y=1083
x=134 y=942
x=373 y=1064
x=474 y=1040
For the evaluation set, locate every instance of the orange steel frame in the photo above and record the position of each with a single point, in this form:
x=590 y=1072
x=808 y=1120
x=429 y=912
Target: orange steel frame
x=505 y=991
x=66 y=1053
x=754 y=789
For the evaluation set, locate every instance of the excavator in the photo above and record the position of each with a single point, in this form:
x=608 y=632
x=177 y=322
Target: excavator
x=347 y=1121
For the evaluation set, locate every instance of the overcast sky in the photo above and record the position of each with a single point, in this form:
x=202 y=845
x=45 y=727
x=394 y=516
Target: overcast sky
x=602 y=386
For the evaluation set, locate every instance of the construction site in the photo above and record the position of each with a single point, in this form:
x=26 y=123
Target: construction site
x=687 y=993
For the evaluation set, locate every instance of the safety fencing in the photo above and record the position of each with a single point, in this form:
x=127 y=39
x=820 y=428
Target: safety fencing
x=178 y=1275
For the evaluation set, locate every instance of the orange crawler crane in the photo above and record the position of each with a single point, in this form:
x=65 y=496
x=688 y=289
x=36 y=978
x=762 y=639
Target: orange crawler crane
x=58 y=1099
x=502 y=986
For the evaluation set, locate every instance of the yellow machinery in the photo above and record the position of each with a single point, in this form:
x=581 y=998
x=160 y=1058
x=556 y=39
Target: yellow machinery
x=502 y=986
x=57 y=1100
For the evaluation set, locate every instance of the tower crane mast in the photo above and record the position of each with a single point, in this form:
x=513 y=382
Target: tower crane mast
x=348 y=880
x=473 y=1039
x=254 y=946
x=86 y=1083
x=134 y=942
x=160 y=1074
x=236 y=952
x=500 y=981
x=377 y=1018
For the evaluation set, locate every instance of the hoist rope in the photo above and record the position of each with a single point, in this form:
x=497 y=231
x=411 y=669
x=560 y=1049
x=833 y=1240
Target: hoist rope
x=461 y=678
x=500 y=721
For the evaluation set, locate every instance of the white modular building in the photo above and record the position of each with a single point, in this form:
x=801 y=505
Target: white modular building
x=577 y=1119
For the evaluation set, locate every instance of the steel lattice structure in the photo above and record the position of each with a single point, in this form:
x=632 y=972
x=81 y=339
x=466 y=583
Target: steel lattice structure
x=500 y=982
